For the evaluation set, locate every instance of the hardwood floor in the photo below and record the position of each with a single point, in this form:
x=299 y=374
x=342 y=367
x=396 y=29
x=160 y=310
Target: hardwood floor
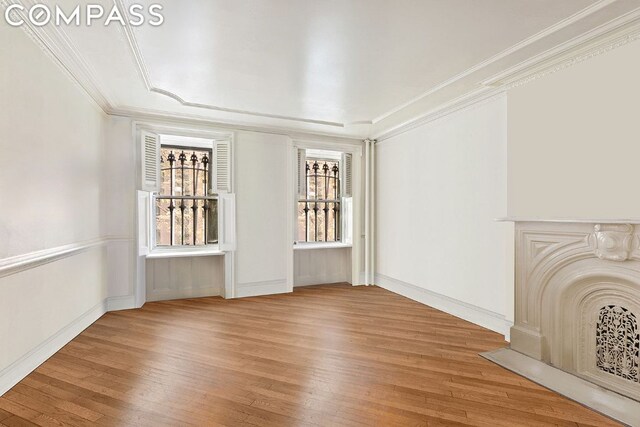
x=324 y=355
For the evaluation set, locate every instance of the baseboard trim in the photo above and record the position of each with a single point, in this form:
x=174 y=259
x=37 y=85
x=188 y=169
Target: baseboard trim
x=338 y=282
x=269 y=287
x=22 y=367
x=310 y=280
x=125 y=302
x=170 y=294
x=599 y=399
x=474 y=314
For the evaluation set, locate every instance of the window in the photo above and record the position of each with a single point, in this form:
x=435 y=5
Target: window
x=186 y=209
x=319 y=210
x=185 y=202
x=322 y=205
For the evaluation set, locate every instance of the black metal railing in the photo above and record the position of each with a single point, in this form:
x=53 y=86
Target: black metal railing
x=186 y=211
x=319 y=212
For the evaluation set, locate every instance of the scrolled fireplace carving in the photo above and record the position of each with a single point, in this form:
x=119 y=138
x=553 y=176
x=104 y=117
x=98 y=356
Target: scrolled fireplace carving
x=613 y=242
x=578 y=300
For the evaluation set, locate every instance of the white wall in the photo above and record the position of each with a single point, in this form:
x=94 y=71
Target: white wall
x=574 y=142
x=263 y=183
x=320 y=266
x=52 y=195
x=264 y=213
x=119 y=163
x=47 y=124
x=439 y=189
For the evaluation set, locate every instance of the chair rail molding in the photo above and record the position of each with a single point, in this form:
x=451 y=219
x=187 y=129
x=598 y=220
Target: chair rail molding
x=18 y=263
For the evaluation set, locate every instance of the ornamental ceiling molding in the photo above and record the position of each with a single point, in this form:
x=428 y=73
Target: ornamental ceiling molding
x=144 y=74
x=58 y=47
x=605 y=38
x=609 y=36
x=505 y=53
x=150 y=115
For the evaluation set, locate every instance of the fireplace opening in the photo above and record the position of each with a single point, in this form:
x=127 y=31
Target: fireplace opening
x=618 y=343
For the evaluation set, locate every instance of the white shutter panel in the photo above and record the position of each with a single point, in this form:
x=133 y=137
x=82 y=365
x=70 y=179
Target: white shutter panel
x=347 y=220
x=222 y=172
x=144 y=222
x=227 y=222
x=302 y=173
x=150 y=160
x=347 y=175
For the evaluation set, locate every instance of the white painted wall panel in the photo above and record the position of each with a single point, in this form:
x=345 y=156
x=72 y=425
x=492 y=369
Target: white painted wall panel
x=119 y=192
x=319 y=266
x=51 y=194
x=439 y=189
x=37 y=303
x=264 y=205
x=187 y=277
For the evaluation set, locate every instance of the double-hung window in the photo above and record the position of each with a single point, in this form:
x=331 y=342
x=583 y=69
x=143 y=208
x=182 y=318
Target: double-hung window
x=186 y=208
x=186 y=202
x=324 y=196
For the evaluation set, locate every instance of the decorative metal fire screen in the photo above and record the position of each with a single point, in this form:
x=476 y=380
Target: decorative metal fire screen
x=319 y=212
x=186 y=212
x=618 y=343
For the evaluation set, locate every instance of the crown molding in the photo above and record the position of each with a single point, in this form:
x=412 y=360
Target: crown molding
x=602 y=39
x=144 y=73
x=57 y=46
x=201 y=121
x=476 y=97
x=607 y=37
x=505 y=53
x=615 y=33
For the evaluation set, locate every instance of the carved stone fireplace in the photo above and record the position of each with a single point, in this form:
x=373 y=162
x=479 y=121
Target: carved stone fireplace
x=577 y=309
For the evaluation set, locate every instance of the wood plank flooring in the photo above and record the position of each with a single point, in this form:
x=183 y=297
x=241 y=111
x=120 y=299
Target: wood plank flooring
x=330 y=355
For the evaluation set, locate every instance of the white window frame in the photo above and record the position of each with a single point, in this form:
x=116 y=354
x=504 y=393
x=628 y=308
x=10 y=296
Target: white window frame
x=177 y=251
x=345 y=205
x=177 y=136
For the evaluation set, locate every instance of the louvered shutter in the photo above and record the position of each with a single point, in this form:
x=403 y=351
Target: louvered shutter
x=227 y=222
x=222 y=172
x=302 y=173
x=150 y=161
x=347 y=175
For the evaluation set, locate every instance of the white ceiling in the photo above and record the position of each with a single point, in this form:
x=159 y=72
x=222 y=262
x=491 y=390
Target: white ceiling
x=333 y=66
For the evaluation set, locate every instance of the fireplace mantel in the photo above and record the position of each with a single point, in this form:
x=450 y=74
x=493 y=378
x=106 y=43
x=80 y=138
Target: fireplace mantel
x=577 y=305
x=569 y=220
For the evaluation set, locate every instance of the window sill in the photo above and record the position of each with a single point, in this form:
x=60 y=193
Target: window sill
x=182 y=252
x=320 y=245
